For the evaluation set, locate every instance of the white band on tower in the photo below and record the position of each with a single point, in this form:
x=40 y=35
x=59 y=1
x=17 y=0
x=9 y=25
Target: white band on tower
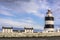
x=49 y=22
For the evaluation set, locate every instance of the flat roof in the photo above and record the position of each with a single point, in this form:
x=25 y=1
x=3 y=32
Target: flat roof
x=7 y=27
x=29 y=28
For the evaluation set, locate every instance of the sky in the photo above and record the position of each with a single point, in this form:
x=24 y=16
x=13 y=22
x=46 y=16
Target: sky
x=28 y=13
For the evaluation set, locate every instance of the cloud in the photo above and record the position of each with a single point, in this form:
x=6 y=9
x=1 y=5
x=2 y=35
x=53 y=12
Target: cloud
x=22 y=6
x=44 y=4
x=9 y=22
x=40 y=15
x=6 y=13
x=13 y=0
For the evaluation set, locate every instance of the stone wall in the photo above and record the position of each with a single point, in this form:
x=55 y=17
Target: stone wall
x=15 y=34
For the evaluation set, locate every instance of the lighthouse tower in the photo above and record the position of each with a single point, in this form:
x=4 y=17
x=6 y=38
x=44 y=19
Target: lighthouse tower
x=49 y=22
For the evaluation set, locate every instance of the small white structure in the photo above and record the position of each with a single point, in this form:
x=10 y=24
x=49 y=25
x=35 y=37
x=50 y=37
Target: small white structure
x=28 y=30
x=58 y=30
x=7 y=29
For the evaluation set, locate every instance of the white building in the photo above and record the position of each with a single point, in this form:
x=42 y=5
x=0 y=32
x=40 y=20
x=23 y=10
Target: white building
x=10 y=30
x=58 y=30
x=28 y=30
x=7 y=29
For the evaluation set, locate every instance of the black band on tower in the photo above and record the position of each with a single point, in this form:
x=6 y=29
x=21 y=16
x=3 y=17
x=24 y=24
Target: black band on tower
x=49 y=18
x=49 y=26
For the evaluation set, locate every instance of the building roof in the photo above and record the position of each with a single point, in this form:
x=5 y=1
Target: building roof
x=15 y=31
x=29 y=28
x=7 y=27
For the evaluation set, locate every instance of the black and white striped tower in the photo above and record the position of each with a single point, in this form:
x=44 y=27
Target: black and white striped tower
x=49 y=22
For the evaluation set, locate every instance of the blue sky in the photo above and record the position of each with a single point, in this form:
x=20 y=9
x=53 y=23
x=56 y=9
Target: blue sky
x=28 y=13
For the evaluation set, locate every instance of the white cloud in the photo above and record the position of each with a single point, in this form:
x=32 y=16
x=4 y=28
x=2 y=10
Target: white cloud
x=28 y=21
x=40 y=15
x=30 y=7
x=44 y=4
x=4 y=12
x=9 y=22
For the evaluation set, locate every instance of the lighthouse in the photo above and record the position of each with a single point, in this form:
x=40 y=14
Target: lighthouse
x=49 y=22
